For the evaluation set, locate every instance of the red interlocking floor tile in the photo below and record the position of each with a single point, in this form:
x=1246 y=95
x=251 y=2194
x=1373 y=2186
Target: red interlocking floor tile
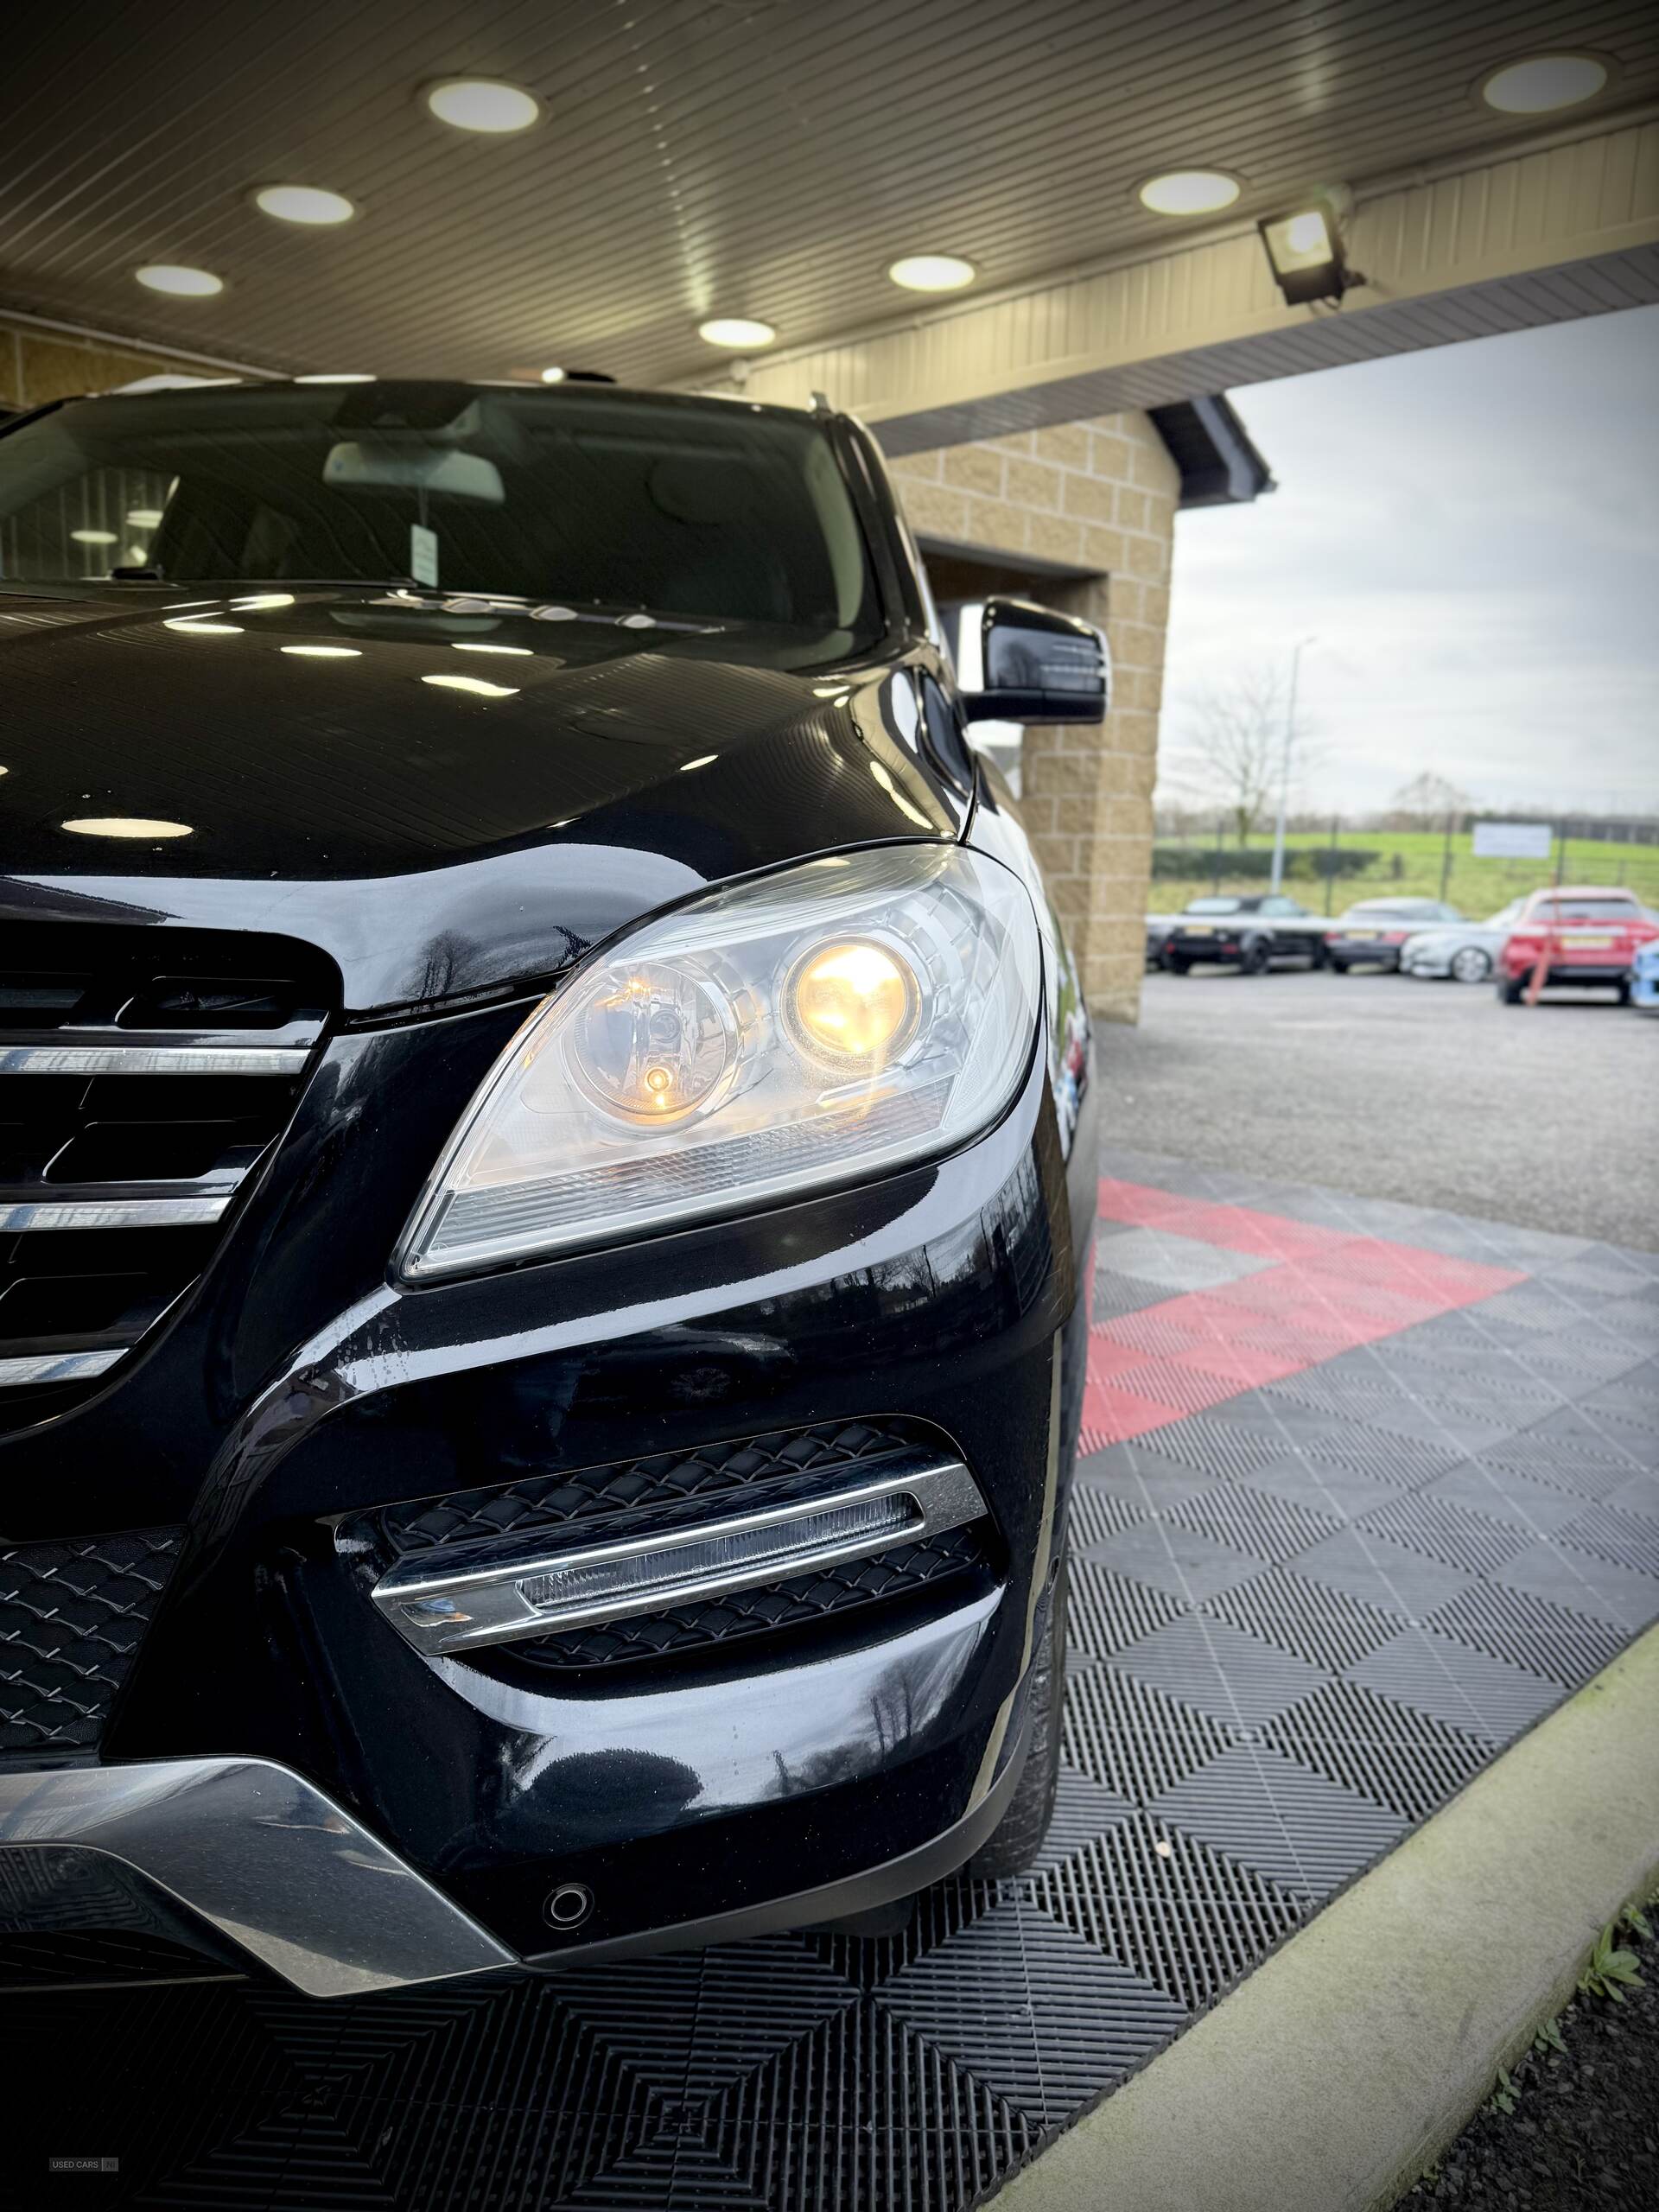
x=1330 y=1292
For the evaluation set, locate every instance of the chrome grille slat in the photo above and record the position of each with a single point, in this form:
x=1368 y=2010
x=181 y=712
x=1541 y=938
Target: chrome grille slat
x=36 y=1215
x=112 y=1192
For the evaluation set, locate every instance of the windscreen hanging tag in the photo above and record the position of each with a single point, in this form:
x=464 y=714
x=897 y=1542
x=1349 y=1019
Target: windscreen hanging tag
x=422 y=553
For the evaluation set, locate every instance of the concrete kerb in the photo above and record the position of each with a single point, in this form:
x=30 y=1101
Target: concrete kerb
x=1328 y=2081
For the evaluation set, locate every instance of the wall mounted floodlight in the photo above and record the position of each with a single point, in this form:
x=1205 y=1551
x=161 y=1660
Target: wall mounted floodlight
x=1305 y=251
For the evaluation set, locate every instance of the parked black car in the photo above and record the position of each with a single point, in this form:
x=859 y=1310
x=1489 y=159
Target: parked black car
x=1371 y=934
x=1249 y=933
x=550 y=1182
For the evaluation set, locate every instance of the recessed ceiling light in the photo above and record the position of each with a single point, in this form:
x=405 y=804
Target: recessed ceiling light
x=183 y=284
x=338 y=375
x=144 y=517
x=473 y=683
x=304 y=203
x=196 y=627
x=323 y=652
x=737 y=333
x=123 y=825
x=483 y=103
x=477 y=646
x=932 y=272
x=1543 y=82
x=552 y=376
x=1189 y=192
x=93 y=536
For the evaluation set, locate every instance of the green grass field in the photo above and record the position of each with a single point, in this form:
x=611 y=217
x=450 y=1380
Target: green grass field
x=1408 y=865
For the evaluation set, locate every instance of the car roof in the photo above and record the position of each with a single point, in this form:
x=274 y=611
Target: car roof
x=1588 y=891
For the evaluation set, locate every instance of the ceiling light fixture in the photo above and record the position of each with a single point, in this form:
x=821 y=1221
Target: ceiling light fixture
x=475 y=684
x=199 y=627
x=1543 y=83
x=323 y=652
x=478 y=646
x=94 y=536
x=1190 y=191
x=304 y=203
x=737 y=333
x=485 y=104
x=338 y=375
x=1305 y=253
x=144 y=517
x=552 y=376
x=181 y=282
x=124 y=825
x=932 y=272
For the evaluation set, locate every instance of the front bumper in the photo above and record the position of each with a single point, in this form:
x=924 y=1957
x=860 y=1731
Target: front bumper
x=299 y=1392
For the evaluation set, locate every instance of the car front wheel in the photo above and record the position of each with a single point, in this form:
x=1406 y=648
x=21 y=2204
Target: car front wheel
x=1177 y=963
x=1258 y=958
x=1471 y=965
x=1509 y=989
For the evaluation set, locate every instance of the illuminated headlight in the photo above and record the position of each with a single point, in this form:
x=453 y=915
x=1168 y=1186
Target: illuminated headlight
x=809 y=1028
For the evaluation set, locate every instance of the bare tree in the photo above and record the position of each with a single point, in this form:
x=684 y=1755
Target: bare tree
x=1427 y=802
x=1232 y=750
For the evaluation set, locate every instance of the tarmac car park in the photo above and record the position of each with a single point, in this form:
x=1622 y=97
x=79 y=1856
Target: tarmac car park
x=1372 y=934
x=1249 y=933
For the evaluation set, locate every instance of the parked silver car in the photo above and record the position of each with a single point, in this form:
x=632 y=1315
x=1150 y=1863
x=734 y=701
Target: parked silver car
x=1466 y=951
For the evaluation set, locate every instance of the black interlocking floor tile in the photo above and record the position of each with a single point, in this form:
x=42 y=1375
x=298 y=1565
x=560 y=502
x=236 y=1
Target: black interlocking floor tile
x=1301 y=1619
x=1131 y=1736
x=1328 y=1627
x=1283 y=1820
x=1108 y=1611
x=1231 y=1675
x=1467 y=1689
x=1187 y=1918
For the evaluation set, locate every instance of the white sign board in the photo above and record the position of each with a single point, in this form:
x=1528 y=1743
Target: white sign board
x=1513 y=841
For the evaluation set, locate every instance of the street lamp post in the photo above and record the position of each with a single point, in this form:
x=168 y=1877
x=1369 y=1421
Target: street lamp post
x=1284 y=765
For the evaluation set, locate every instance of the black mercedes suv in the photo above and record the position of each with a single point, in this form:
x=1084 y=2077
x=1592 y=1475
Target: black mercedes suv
x=546 y=1185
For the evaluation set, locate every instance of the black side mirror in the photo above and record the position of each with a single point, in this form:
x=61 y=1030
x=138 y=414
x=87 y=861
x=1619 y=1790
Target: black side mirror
x=1021 y=663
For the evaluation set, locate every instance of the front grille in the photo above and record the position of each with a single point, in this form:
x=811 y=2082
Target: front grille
x=799 y=1603
x=72 y=1614
x=144 y=1074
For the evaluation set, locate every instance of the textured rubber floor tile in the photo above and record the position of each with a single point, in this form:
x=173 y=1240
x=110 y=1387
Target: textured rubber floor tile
x=1446 y=1533
x=1111 y=1294
x=1335 y=1493
x=1033 y=2010
x=1131 y=1737
x=1110 y=1415
x=1260 y=1523
x=1098 y=1512
x=1182 y=1262
x=1083 y=1809
x=1585 y=1583
x=1241 y=1367
x=1108 y=1611
x=1390 y=1752
x=1167 y=1381
x=1514 y=1499
x=1550 y=1640
x=1233 y=1676
x=1280 y=1818
x=1108 y=1357
x=1467 y=1689
x=1380 y=1573
x=1622 y=1539
x=1187 y=1565
x=1330 y=1629
x=1185 y=1918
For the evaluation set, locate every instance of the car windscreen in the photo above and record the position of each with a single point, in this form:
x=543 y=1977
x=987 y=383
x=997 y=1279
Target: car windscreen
x=1214 y=906
x=724 y=513
x=1567 y=908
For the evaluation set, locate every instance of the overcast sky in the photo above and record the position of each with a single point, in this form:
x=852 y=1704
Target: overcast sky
x=1472 y=534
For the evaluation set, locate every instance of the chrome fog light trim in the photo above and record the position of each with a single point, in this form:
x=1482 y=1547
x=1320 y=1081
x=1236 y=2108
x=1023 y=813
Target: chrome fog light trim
x=502 y=1592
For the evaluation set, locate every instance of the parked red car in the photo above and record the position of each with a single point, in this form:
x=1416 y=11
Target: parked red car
x=1587 y=937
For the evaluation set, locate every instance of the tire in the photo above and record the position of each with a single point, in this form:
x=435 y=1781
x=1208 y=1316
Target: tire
x=1337 y=967
x=1018 y=1836
x=1176 y=963
x=1471 y=965
x=1624 y=993
x=1509 y=989
x=1257 y=957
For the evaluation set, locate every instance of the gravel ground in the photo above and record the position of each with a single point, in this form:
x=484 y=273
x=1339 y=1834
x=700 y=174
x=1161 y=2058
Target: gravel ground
x=1584 y=2130
x=1432 y=1093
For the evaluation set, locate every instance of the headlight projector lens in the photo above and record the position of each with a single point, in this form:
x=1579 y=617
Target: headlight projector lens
x=854 y=1003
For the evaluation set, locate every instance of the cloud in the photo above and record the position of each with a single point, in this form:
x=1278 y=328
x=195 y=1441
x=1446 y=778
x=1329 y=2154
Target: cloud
x=1472 y=534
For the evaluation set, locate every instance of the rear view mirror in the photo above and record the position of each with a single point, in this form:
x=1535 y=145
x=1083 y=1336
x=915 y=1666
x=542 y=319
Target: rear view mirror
x=1021 y=663
x=385 y=465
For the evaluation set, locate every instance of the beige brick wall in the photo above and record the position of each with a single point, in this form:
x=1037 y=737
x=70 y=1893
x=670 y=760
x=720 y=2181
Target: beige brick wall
x=1098 y=496
x=36 y=366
